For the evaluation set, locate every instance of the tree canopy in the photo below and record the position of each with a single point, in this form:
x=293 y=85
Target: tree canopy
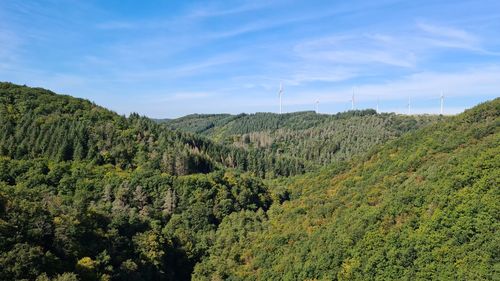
x=87 y=194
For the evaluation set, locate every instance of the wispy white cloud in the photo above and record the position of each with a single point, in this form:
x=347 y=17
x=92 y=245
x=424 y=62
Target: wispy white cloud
x=357 y=50
x=360 y=53
x=320 y=73
x=178 y=70
x=448 y=37
x=475 y=81
x=423 y=86
x=180 y=96
x=196 y=14
x=202 y=12
x=448 y=32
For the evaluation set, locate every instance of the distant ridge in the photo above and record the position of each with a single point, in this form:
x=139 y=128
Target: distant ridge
x=316 y=139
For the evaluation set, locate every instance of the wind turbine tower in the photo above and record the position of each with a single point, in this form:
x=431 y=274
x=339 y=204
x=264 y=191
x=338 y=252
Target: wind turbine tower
x=442 y=102
x=317 y=106
x=409 y=105
x=377 y=106
x=352 y=100
x=280 y=93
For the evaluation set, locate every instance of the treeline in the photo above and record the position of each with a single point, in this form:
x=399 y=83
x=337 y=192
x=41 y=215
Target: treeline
x=314 y=139
x=38 y=123
x=226 y=125
x=422 y=207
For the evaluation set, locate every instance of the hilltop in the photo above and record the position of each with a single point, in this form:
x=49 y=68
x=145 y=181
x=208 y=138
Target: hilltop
x=35 y=123
x=314 y=139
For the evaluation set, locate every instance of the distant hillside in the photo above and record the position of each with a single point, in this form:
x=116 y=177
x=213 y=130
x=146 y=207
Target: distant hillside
x=422 y=207
x=38 y=123
x=35 y=122
x=198 y=123
x=315 y=139
x=224 y=125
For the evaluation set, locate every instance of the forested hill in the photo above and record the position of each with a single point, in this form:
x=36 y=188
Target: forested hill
x=86 y=194
x=315 y=139
x=422 y=207
x=38 y=123
x=35 y=122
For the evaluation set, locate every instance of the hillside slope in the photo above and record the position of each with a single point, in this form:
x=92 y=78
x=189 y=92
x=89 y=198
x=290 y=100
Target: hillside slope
x=86 y=194
x=315 y=139
x=422 y=207
x=35 y=122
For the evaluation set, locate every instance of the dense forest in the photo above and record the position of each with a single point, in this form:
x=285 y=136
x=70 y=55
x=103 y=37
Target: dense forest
x=38 y=123
x=422 y=207
x=315 y=139
x=87 y=194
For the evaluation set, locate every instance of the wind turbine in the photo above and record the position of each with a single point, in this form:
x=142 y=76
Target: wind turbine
x=352 y=99
x=280 y=93
x=409 y=105
x=377 y=105
x=442 y=102
x=317 y=106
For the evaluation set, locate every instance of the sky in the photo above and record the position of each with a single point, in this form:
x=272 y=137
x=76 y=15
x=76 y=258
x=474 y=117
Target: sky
x=166 y=59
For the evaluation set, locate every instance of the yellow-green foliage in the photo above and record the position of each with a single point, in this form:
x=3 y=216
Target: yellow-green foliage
x=86 y=194
x=423 y=207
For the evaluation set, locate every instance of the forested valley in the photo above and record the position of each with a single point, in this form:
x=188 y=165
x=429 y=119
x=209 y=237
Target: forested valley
x=314 y=139
x=87 y=194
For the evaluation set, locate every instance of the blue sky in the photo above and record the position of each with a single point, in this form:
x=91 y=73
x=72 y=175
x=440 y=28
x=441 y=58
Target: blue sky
x=172 y=58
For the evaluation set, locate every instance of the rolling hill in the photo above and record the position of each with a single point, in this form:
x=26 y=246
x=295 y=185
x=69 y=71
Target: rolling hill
x=314 y=139
x=35 y=122
x=422 y=207
x=87 y=194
